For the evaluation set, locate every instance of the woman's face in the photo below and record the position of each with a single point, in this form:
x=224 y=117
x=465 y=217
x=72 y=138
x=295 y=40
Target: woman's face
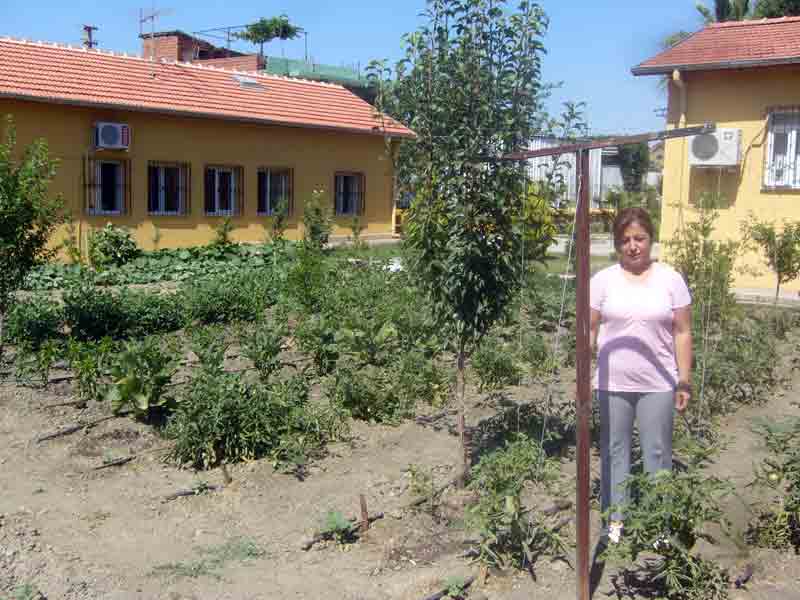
x=634 y=248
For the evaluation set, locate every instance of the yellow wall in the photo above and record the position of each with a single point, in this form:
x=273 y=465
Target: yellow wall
x=314 y=155
x=730 y=98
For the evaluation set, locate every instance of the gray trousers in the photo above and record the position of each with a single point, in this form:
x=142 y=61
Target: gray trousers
x=653 y=413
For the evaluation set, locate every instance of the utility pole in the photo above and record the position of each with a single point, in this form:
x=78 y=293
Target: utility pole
x=88 y=37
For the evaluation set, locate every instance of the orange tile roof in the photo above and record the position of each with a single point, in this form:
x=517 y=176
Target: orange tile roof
x=60 y=74
x=731 y=45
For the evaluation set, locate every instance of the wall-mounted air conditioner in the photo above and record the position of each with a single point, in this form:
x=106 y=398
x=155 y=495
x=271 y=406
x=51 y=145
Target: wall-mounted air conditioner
x=112 y=136
x=722 y=148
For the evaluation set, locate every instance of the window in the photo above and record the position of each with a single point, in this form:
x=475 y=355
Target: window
x=168 y=188
x=782 y=165
x=349 y=193
x=107 y=184
x=224 y=191
x=274 y=189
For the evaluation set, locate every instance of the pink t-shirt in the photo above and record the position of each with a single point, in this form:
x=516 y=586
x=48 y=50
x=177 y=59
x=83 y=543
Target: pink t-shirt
x=636 y=348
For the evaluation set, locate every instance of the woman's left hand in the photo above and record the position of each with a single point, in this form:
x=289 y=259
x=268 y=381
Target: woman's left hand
x=682 y=399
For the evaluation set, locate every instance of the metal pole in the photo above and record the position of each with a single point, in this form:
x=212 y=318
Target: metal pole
x=583 y=363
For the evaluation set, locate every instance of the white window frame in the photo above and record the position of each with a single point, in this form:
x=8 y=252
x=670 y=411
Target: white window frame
x=217 y=212
x=338 y=181
x=98 y=192
x=783 y=172
x=267 y=171
x=162 y=194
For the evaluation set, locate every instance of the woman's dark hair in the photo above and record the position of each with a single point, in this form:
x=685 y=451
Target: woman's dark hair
x=627 y=217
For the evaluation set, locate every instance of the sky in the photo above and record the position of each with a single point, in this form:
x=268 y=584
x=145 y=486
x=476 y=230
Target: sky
x=591 y=44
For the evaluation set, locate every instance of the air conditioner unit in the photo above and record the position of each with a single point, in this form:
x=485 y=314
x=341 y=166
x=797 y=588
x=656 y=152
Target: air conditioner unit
x=722 y=148
x=112 y=136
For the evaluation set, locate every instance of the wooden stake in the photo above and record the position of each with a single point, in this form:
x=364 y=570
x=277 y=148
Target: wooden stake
x=583 y=367
x=364 y=514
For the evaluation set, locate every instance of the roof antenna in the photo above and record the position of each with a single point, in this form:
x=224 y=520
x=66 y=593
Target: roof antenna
x=151 y=16
x=88 y=37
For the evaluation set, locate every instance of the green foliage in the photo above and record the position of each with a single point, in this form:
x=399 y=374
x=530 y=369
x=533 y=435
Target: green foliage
x=338 y=527
x=370 y=393
x=222 y=418
x=27 y=591
x=89 y=362
x=725 y=10
x=210 y=346
x=35 y=321
x=213 y=560
x=242 y=296
x=28 y=215
x=510 y=535
x=278 y=222
x=455 y=586
x=777 y=524
x=263 y=343
x=265 y=30
x=536 y=220
x=470 y=88
x=92 y=313
x=177 y=264
x=317 y=220
x=33 y=363
x=356 y=227
x=771 y=9
x=222 y=233
x=634 y=160
x=140 y=377
x=495 y=364
x=666 y=515
x=307 y=279
x=111 y=245
x=316 y=337
x=780 y=248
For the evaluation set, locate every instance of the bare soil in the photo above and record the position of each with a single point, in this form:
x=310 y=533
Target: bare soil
x=77 y=533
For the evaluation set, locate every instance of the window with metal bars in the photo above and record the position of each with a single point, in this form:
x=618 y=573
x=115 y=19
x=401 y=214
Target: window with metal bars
x=349 y=193
x=168 y=188
x=107 y=185
x=224 y=191
x=274 y=190
x=782 y=158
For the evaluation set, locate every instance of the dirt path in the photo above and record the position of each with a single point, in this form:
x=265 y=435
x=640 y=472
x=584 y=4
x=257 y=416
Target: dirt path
x=80 y=534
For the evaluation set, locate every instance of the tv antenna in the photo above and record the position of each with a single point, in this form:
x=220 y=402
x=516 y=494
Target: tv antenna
x=88 y=36
x=152 y=16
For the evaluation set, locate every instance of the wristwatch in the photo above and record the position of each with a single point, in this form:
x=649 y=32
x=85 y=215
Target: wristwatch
x=684 y=386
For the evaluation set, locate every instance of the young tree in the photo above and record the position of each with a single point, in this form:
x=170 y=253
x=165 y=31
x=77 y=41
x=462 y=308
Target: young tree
x=634 y=160
x=28 y=215
x=470 y=87
x=770 y=9
x=781 y=248
x=724 y=10
x=265 y=30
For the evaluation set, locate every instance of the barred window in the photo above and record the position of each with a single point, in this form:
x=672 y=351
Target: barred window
x=168 y=186
x=107 y=186
x=349 y=188
x=274 y=190
x=224 y=193
x=782 y=161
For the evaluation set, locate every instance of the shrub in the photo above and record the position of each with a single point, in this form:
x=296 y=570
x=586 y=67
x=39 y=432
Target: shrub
x=495 y=365
x=666 y=514
x=777 y=524
x=111 y=246
x=419 y=379
x=220 y=418
x=33 y=363
x=210 y=346
x=370 y=393
x=509 y=535
x=263 y=343
x=140 y=375
x=316 y=337
x=93 y=313
x=317 y=220
x=222 y=233
x=89 y=362
x=35 y=321
x=229 y=297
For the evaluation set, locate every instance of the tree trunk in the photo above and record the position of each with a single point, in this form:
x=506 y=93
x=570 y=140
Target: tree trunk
x=462 y=433
x=777 y=292
x=2 y=339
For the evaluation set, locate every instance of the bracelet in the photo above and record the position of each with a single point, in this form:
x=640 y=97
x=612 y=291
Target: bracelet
x=684 y=386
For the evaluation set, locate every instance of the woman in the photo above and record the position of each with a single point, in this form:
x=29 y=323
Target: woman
x=641 y=322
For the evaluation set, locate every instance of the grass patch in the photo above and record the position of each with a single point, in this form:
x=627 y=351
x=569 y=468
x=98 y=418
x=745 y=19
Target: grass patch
x=212 y=560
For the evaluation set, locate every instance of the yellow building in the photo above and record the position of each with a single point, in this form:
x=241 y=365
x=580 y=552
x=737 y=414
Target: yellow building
x=745 y=77
x=169 y=149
